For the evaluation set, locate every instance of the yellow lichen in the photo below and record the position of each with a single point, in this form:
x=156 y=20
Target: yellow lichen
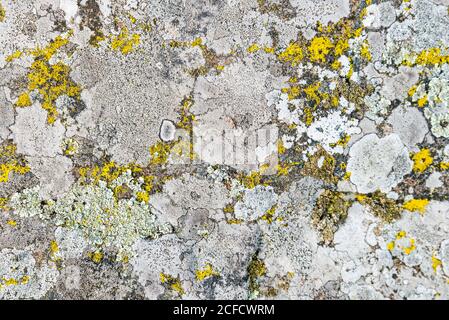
x=3 y=202
x=11 y=223
x=10 y=162
x=15 y=55
x=54 y=248
x=70 y=147
x=172 y=282
x=293 y=54
x=416 y=205
x=205 y=273
x=422 y=160
x=412 y=90
x=10 y=282
x=422 y=101
x=431 y=56
x=444 y=165
x=251 y=180
x=406 y=250
x=2 y=13
x=25 y=279
x=125 y=42
x=23 y=100
x=253 y=48
x=435 y=263
x=50 y=80
x=410 y=248
x=159 y=153
x=96 y=256
x=143 y=196
x=365 y=52
x=269 y=215
x=390 y=246
x=319 y=48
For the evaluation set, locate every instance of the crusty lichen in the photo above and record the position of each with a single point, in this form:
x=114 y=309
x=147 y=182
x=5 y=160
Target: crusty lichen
x=2 y=13
x=51 y=80
x=381 y=206
x=10 y=162
x=422 y=160
x=331 y=210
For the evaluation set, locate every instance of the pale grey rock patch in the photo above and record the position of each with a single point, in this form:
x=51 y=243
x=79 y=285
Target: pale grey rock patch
x=378 y=163
x=255 y=203
x=33 y=136
x=434 y=181
x=444 y=252
x=55 y=175
x=409 y=124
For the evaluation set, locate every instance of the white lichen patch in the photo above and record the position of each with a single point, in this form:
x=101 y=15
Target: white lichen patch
x=255 y=203
x=329 y=130
x=21 y=277
x=378 y=163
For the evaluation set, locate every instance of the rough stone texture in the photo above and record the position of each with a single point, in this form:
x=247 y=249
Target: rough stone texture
x=257 y=149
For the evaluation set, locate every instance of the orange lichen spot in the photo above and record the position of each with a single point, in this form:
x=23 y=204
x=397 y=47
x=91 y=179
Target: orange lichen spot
x=422 y=160
x=319 y=48
x=416 y=205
